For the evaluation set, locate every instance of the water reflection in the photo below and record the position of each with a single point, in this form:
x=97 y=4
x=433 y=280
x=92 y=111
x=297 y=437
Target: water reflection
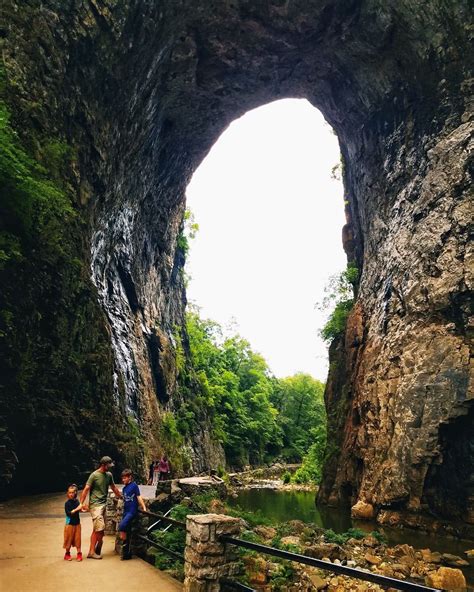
x=280 y=506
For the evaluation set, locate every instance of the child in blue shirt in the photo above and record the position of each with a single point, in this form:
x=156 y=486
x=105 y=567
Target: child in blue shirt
x=131 y=500
x=72 y=528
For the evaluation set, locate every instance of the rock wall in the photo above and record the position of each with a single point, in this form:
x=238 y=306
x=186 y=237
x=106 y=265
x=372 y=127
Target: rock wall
x=142 y=91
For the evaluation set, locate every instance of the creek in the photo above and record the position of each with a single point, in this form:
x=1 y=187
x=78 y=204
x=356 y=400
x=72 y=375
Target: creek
x=281 y=506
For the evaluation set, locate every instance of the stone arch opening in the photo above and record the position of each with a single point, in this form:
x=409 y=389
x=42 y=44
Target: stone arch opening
x=360 y=66
x=143 y=91
x=270 y=212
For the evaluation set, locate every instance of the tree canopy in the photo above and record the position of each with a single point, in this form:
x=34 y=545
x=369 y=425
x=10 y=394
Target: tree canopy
x=257 y=417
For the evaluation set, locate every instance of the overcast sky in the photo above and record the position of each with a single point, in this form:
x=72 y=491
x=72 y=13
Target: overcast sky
x=270 y=219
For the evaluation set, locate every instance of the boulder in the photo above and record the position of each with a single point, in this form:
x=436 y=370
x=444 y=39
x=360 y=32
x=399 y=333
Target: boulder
x=318 y=582
x=453 y=560
x=291 y=540
x=325 y=550
x=362 y=511
x=446 y=578
x=372 y=559
x=265 y=532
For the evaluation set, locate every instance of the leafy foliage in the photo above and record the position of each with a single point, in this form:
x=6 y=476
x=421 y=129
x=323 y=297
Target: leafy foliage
x=341 y=538
x=56 y=363
x=29 y=203
x=236 y=387
x=188 y=232
x=340 y=298
x=301 y=414
x=256 y=416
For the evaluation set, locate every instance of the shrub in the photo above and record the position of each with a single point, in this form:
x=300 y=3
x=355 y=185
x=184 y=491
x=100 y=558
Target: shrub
x=336 y=323
x=339 y=293
x=379 y=536
x=356 y=533
x=331 y=537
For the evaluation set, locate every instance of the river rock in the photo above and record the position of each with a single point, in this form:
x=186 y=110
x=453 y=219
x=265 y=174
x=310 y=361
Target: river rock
x=266 y=532
x=318 y=582
x=325 y=550
x=453 y=560
x=404 y=550
x=297 y=526
x=408 y=560
x=291 y=540
x=430 y=557
x=446 y=578
x=362 y=511
x=372 y=559
x=401 y=568
x=370 y=541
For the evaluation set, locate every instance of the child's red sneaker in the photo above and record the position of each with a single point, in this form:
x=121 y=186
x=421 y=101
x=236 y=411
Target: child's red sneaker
x=67 y=557
x=79 y=557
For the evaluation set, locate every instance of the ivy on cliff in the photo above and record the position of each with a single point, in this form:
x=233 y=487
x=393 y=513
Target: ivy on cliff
x=56 y=365
x=31 y=206
x=340 y=300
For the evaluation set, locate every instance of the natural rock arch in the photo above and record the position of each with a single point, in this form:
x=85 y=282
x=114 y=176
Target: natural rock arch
x=143 y=90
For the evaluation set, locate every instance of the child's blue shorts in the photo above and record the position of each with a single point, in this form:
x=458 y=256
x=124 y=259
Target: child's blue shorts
x=126 y=521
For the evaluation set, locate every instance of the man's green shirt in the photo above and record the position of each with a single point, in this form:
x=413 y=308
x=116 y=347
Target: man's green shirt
x=99 y=483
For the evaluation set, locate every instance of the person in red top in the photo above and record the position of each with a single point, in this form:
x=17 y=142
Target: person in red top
x=164 y=468
x=153 y=473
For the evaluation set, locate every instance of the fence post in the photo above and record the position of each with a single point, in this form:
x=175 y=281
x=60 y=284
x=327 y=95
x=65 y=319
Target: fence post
x=207 y=559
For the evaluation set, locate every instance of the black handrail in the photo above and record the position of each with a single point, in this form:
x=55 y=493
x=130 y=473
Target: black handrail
x=158 y=546
x=154 y=543
x=164 y=518
x=334 y=567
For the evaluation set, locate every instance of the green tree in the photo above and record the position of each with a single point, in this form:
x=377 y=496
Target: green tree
x=256 y=416
x=236 y=385
x=302 y=416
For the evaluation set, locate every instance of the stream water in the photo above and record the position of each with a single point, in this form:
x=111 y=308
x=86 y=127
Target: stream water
x=281 y=506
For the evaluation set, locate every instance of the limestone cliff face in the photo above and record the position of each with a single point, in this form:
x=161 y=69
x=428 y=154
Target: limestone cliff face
x=407 y=440
x=143 y=90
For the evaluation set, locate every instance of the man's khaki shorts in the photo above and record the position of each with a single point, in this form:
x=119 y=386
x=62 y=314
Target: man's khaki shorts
x=98 y=518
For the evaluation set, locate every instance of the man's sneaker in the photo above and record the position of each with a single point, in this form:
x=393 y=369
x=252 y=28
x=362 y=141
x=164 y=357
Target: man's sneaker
x=94 y=556
x=67 y=557
x=79 y=557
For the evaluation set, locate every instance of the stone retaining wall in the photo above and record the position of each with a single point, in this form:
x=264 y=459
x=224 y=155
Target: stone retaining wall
x=207 y=558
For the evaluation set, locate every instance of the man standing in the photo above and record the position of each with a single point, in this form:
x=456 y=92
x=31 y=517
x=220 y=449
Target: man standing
x=98 y=487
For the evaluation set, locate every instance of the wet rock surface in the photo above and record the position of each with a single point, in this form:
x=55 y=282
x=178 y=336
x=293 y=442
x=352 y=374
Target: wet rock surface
x=143 y=90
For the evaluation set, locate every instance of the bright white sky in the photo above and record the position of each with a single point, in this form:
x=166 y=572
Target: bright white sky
x=270 y=219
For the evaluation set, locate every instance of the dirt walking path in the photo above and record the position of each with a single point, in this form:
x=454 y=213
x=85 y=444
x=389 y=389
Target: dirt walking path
x=31 y=554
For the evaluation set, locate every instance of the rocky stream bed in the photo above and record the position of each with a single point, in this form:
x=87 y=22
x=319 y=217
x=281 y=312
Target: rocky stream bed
x=355 y=547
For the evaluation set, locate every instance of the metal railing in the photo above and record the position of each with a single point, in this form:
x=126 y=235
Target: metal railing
x=160 y=518
x=384 y=581
x=164 y=518
x=233 y=585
